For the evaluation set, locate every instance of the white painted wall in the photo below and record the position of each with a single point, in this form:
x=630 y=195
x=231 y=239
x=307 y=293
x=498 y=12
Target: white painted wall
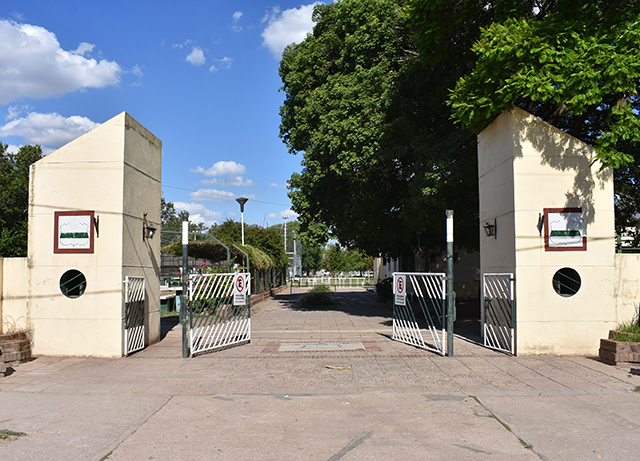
x=113 y=170
x=526 y=165
x=13 y=291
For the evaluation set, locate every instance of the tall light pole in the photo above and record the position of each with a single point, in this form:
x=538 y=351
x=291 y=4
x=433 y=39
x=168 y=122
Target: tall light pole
x=242 y=201
x=285 y=231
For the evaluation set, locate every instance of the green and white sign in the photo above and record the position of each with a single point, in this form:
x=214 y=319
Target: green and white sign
x=73 y=232
x=565 y=229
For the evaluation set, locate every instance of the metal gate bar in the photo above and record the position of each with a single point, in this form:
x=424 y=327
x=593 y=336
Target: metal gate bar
x=498 y=309
x=134 y=296
x=214 y=322
x=426 y=298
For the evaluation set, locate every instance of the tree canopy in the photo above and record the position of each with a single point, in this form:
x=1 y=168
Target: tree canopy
x=385 y=98
x=574 y=64
x=381 y=159
x=14 y=198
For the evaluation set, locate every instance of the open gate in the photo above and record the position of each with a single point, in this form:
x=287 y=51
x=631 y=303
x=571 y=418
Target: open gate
x=134 y=296
x=419 y=310
x=498 y=312
x=219 y=311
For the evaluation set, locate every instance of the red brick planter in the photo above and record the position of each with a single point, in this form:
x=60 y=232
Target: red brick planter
x=612 y=352
x=16 y=348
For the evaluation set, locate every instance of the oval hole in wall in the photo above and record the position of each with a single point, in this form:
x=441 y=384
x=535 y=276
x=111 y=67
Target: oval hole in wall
x=73 y=283
x=566 y=282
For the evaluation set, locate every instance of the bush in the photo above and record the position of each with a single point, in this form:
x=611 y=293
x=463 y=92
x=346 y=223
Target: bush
x=317 y=298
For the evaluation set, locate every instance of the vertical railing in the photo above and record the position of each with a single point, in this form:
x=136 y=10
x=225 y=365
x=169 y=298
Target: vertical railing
x=214 y=320
x=134 y=314
x=499 y=313
x=420 y=318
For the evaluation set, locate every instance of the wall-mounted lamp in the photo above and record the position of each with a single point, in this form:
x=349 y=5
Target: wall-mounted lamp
x=491 y=230
x=147 y=231
x=540 y=224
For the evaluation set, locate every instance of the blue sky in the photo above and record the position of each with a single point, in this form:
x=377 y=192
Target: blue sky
x=200 y=75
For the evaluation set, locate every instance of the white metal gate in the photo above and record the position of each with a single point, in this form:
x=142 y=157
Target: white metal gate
x=134 y=296
x=420 y=310
x=217 y=316
x=498 y=312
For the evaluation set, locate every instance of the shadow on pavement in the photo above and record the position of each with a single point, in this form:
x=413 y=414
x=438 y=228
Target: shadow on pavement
x=368 y=304
x=358 y=303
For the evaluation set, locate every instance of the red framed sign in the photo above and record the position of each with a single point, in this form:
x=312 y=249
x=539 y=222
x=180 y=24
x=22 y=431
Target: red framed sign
x=73 y=232
x=565 y=229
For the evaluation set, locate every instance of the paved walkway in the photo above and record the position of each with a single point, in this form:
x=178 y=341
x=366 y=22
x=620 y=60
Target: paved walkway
x=390 y=401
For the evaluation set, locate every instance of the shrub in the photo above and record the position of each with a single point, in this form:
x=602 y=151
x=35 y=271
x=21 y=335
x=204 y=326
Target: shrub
x=317 y=298
x=630 y=331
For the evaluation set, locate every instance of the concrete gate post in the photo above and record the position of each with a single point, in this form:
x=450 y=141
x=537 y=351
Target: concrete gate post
x=89 y=203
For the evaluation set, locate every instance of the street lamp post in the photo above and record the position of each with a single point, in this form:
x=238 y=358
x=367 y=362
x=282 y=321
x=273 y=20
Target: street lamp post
x=285 y=232
x=242 y=201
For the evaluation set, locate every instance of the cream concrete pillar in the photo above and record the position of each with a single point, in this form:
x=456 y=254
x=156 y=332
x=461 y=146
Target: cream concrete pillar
x=527 y=167
x=97 y=188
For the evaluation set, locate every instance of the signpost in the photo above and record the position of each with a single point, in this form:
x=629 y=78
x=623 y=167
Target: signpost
x=400 y=289
x=184 y=304
x=241 y=283
x=450 y=294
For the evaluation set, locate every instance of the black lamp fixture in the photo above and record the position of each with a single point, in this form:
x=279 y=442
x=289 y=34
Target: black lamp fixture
x=491 y=230
x=147 y=231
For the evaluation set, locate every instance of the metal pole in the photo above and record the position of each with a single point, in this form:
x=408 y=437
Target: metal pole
x=242 y=215
x=242 y=201
x=285 y=245
x=285 y=234
x=184 y=297
x=450 y=294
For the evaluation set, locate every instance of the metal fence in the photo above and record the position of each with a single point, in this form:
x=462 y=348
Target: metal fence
x=215 y=320
x=336 y=282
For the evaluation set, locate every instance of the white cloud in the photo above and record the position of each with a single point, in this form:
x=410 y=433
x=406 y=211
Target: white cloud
x=236 y=17
x=137 y=71
x=273 y=184
x=287 y=27
x=212 y=195
x=83 y=49
x=199 y=213
x=182 y=45
x=47 y=129
x=15 y=111
x=224 y=173
x=229 y=181
x=12 y=149
x=224 y=63
x=289 y=213
x=32 y=64
x=222 y=168
x=196 y=57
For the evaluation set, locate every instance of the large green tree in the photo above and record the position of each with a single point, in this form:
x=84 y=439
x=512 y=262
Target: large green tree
x=381 y=159
x=14 y=198
x=574 y=64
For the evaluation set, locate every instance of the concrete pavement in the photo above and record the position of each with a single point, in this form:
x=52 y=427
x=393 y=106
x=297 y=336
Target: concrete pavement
x=388 y=401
